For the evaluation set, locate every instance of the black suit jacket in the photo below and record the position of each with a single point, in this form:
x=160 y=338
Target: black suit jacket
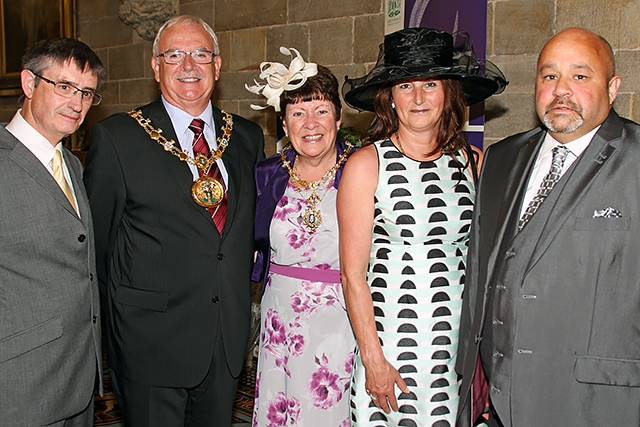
x=554 y=310
x=172 y=282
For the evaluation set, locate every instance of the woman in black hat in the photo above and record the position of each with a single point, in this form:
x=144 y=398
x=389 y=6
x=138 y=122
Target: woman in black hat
x=404 y=210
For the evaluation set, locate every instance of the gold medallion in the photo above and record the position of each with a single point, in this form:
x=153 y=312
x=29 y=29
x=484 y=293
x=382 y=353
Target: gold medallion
x=312 y=218
x=208 y=192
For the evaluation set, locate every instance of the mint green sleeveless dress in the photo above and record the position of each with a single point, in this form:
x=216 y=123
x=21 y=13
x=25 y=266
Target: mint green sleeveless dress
x=416 y=274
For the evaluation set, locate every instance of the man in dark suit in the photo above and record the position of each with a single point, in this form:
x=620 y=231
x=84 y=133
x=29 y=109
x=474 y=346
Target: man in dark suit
x=174 y=237
x=553 y=295
x=49 y=312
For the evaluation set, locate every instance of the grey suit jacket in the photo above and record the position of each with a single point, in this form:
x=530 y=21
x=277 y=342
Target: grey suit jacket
x=49 y=311
x=554 y=310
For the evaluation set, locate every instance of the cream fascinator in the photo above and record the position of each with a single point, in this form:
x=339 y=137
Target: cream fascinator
x=279 y=78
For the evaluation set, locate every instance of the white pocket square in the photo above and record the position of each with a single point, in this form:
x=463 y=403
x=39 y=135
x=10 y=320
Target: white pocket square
x=607 y=213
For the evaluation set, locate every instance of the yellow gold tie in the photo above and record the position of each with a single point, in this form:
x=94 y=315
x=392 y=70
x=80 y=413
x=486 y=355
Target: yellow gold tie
x=58 y=175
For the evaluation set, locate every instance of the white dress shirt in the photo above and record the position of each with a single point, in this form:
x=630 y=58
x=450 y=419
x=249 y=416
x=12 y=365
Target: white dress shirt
x=181 y=120
x=543 y=163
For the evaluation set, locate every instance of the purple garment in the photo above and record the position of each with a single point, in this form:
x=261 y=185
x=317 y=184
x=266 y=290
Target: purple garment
x=271 y=181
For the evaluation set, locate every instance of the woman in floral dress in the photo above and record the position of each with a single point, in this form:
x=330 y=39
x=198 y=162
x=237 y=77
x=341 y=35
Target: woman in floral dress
x=306 y=343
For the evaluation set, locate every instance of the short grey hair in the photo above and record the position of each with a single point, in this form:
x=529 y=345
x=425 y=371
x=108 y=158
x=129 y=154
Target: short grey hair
x=185 y=19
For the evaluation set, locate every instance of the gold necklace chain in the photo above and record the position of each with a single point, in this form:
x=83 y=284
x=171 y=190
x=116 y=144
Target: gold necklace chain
x=200 y=161
x=313 y=185
x=312 y=217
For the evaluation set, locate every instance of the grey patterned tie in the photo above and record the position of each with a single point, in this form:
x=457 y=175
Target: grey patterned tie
x=548 y=182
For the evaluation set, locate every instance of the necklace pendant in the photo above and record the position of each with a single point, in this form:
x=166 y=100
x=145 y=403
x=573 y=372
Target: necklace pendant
x=312 y=219
x=208 y=192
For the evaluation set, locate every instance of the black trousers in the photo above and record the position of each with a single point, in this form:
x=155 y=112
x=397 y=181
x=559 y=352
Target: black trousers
x=210 y=403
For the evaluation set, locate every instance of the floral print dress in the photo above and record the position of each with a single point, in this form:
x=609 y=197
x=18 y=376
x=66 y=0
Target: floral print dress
x=306 y=342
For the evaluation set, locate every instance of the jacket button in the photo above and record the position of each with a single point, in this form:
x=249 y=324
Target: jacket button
x=82 y=238
x=501 y=287
x=497 y=322
x=220 y=257
x=95 y=319
x=91 y=276
x=495 y=389
x=477 y=339
x=497 y=354
x=215 y=300
x=510 y=253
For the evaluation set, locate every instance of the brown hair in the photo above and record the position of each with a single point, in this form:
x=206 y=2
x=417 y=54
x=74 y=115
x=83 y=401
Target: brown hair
x=450 y=136
x=321 y=87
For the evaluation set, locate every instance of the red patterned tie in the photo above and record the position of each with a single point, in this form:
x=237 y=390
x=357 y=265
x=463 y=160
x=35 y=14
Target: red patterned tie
x=200 y=146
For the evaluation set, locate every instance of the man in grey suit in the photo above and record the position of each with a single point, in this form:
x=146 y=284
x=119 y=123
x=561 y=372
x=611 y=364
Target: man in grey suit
x=552 y=301
x=49 y=312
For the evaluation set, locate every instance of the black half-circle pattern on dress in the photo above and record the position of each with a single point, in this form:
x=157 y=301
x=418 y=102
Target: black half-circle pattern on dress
x=465 y=229
x=440 y=296
x=407 y=355
x=408 y=284
x=437 y=267
x=407 y=299
x=459 y=252
x=440 y=369
x=441 y=311
x=376 y=416
x=458 y=176
x=408 y=270
x=410 y=382
x=430 y=176
x=461 y=265
x=405 y=219
x=379 y=327
x=392 y=154
x=407 y=342
x=377 y=297
x=407 y=409
x=441 y=355
x=440 y=410
x=440 y=397
x=440 y=383
x=406 y=313
x=378 y=282
x=406 y=369
x=407 y=328
x=433 y=189
x=387 y=144
x=383 y=253
x=436 y=202
x=441 y=326
x=407 y=257
x=406 y=233
x=382 y=241
x=395 y=166
x=439 y=282
x=407 y=423
x=441 y=423
x=407 y=396
x=380 y=230
x=462 y=188
x=441 y=340
x=464 y=201
x=428 y=165
x=434 y=241
x=438 y=217
x=437 y=231
x=466 y=214
x=377 y=212
x=377 y=311
x=402 y=205
x=400 y=192
x=380 y=268
x=436 y=253
x=397 y=179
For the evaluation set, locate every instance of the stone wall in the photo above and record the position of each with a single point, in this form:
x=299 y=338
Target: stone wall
x=344 y=35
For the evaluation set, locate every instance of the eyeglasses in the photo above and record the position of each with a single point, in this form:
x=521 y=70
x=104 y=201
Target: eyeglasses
x=199 y=56
x=68 y=90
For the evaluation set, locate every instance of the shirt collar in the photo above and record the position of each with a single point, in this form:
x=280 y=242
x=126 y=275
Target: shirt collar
x=576 y=147
x=31 y=138
x=181 y=119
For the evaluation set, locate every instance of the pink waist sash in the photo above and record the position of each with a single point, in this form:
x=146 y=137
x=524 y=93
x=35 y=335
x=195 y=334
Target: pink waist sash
x=310 y=274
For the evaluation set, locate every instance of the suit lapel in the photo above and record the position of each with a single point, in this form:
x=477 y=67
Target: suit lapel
x=231 y=160
x=516 y=183
x=24 y=158
x=550 y=218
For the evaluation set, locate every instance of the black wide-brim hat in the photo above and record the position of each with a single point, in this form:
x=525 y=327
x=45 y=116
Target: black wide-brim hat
x=425 y=52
